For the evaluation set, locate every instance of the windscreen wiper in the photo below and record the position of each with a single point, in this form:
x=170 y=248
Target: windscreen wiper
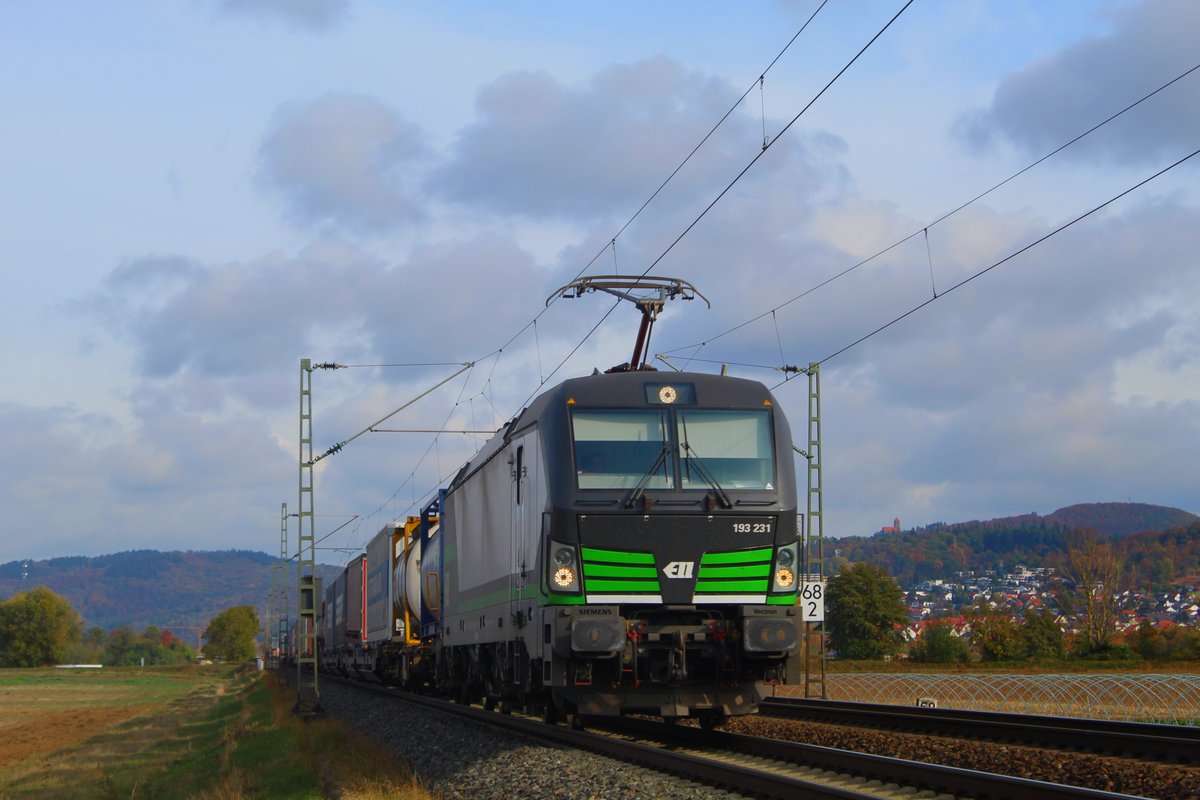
x=692 y=459
x=640 y=488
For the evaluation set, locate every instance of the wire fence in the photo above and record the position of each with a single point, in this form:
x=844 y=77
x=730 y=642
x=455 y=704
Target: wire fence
x=1173 y=699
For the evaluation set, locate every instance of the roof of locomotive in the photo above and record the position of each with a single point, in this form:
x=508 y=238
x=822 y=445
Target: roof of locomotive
x=622 y=390
x=626 y=390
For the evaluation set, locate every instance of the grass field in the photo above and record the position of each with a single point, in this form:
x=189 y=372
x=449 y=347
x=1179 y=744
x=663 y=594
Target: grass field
x=45 y=710
x=207 y=732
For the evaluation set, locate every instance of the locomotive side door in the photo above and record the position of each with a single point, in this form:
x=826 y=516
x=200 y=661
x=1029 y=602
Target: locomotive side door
x=526 y=515
x=519 y=505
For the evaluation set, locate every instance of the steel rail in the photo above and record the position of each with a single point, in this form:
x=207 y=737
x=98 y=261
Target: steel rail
x=761 y=767
x=734 y=777
x=1168 y=744
x=955 y=781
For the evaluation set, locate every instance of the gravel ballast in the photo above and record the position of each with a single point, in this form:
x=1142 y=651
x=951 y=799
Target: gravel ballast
x=1110 y=774
x=457 y=758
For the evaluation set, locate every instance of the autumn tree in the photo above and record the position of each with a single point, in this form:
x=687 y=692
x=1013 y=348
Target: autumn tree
x=124 y=648
x=1147 y=641
x=995 y=635
x=939 y=644
x=230 y=635
x=36 y=629
x=864 y=608
x=1088 y=588
x=119 y=646
x=94 y=636
x=1183 y=643
x=1041 y=636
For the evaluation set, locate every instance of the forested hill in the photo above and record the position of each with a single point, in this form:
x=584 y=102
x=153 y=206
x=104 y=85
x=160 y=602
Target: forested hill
x=1162 y=543
x=148 y=587
x=1122 y=519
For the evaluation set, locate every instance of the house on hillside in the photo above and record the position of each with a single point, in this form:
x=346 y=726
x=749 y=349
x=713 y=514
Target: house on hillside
x=958 y=625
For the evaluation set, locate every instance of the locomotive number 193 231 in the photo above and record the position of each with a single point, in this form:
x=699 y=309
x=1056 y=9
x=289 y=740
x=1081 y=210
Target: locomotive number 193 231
x=751 y=527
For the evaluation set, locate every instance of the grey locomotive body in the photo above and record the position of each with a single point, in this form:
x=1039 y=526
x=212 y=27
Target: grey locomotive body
x=626 y=544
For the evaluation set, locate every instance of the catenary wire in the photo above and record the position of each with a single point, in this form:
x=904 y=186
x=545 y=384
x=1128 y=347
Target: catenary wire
x=766 y=146
x=1008 y=257
x=733 y=182
x=775 y=138
x=943 y=217
x=613 y=239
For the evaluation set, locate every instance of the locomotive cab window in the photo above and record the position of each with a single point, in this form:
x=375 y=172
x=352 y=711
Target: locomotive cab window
x=734 y=447
x=617 y=449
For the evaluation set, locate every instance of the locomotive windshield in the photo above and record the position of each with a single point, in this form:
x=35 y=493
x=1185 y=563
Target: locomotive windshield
x=734 y=447
x=624 y=449
x=616 y=449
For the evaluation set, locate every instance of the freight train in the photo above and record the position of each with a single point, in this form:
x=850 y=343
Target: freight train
x=626 y=544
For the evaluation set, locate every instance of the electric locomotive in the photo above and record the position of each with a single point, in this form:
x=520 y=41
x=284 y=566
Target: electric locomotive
x=627 y=544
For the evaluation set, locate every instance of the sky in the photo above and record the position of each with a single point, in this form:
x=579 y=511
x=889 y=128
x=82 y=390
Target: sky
x=197 y=194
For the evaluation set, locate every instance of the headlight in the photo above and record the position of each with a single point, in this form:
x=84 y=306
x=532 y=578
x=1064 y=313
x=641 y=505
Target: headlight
x=563 y=572
x=564 y=577
x=785 y=569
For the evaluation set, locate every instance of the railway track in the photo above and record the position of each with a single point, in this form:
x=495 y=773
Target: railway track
x=1165 y=744
x=804 y=770
x=760 y=767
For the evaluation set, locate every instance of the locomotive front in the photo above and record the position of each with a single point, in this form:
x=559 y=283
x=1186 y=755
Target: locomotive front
x=670 y=550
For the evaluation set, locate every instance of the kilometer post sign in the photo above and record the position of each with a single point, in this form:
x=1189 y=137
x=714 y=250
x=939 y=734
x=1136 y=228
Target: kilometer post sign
x=811 y=598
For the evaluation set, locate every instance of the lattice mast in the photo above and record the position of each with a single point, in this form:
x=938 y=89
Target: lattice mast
x=282 y=611
x=270 y=645
x=814 y=550
x=308 y=697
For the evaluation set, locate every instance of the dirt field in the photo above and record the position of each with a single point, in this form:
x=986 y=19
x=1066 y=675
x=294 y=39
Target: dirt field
x=29 y=733
x=43 y=711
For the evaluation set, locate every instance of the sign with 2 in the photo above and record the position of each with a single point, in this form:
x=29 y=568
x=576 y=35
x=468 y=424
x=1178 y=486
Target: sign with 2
x=811 y=598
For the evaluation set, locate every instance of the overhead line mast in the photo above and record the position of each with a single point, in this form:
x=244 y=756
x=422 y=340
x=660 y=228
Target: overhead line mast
x=308 y=585
x=308 y=697
x=281 y=622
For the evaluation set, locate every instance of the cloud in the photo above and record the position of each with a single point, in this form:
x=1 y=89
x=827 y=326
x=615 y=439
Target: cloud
x=1011 y=394
x=1047 y=103
x=241 y=325
x=544 y=149
x=314 y=15
x=234 y=319
x=1010 y=391
x=86 y=484
x=343 y=161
